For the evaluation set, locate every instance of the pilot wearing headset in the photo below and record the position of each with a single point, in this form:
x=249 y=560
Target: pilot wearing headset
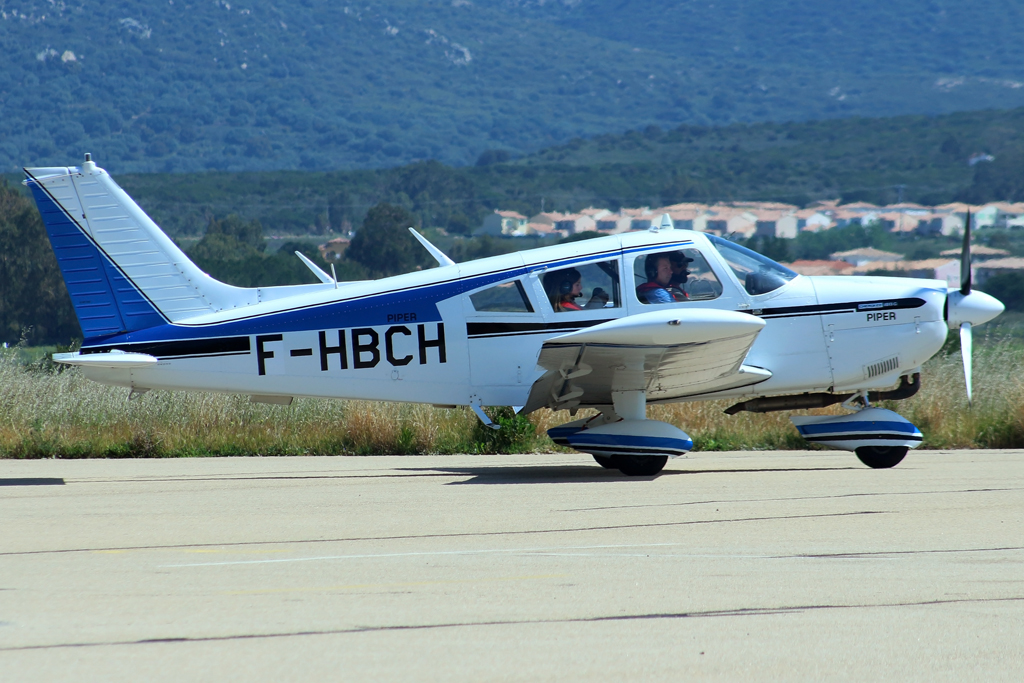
x=659 y=287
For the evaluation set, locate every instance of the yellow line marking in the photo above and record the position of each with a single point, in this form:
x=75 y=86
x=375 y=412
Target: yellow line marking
x=401 y=584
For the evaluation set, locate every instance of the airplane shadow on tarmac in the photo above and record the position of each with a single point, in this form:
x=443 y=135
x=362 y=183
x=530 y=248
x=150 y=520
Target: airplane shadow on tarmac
x=562 y=474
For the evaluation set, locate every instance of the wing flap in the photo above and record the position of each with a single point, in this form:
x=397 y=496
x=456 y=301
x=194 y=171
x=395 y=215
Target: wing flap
x=667 y=353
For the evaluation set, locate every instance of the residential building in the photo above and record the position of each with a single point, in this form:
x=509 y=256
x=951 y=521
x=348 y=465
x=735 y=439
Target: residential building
x=932 y=269
x=979 y=252
x=859 y=257
x=333 y=250
x=820 y=267
x=997 y=266
x=507 y=223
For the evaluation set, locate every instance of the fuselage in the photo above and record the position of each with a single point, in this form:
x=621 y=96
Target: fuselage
x=472 y=332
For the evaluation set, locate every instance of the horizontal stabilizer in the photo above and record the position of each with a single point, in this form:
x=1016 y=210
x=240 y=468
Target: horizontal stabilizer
x=111 y=359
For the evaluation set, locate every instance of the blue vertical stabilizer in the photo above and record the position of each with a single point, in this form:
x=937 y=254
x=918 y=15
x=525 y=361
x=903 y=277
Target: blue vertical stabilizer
x=105 y=301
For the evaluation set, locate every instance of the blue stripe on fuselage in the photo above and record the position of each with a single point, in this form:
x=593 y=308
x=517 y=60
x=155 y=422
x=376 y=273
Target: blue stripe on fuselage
x=365 y=311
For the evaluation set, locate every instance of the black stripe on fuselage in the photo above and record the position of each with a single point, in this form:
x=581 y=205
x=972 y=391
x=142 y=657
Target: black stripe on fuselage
x=845 y=307
x=495 y=329
x=188 y=348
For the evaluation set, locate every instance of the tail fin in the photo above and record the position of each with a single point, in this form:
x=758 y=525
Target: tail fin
x=122 y=272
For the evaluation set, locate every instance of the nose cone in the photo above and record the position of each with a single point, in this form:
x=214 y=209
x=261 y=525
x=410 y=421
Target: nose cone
x=974 y=308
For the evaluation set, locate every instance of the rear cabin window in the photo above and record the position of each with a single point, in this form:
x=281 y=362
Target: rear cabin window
x=581 y=288
x=668 y=277
x=508 y=297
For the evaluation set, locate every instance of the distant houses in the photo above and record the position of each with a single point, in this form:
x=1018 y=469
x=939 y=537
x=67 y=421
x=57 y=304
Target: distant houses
x=767 y=219
x=785 y=221
x=986 y=262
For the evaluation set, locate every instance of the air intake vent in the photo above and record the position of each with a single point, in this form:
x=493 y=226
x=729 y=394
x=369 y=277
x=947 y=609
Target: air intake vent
x=882 y=367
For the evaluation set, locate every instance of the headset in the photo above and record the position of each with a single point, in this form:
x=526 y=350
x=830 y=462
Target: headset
x=651 y=265
x=566 y=279
x=675 y=258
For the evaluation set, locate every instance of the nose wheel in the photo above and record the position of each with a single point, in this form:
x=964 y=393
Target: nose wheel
x=639 y=465
x=633 y=465
x=881 y=457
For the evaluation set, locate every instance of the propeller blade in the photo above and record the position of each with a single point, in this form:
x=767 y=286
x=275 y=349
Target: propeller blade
x=965 y=258
x=966 y=346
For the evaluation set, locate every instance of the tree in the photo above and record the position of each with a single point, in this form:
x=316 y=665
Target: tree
x=33 y=298
x=383 y=245
x=997 y=181
x=493 y=156
x=229 y=239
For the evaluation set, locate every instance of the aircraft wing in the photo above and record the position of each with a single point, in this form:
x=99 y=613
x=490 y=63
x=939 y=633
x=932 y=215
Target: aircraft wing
x=670 y=354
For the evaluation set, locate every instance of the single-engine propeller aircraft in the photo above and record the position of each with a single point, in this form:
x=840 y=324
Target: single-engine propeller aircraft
x=613 y=323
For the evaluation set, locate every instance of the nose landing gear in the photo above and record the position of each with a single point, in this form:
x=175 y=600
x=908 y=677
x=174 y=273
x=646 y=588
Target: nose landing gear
x=879 y=437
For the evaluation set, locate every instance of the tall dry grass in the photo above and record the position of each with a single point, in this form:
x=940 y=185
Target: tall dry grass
x=61 y=414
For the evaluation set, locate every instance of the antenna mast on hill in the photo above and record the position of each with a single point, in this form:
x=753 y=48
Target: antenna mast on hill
x=899 y=200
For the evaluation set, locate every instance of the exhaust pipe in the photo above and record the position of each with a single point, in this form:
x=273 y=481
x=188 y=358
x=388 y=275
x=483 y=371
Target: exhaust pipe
x=908 y=386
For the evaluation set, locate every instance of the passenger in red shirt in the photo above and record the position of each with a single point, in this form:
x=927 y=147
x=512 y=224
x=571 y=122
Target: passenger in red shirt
x=563 y=287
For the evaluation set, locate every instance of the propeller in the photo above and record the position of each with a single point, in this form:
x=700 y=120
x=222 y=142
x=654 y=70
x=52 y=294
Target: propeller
x=966 y=338
x=965 y=258
x=966 y=346
x=966 y=308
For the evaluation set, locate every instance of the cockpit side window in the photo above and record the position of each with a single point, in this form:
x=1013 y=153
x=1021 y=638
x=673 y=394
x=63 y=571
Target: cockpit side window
x=584 y=287
x=759 y=274
x=508 y=297
x=667 y=277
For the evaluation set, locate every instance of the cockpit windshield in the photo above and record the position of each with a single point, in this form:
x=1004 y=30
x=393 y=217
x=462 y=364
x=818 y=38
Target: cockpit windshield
x=759 y=274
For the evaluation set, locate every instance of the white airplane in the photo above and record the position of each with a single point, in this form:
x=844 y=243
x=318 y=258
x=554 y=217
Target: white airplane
x=613 y=323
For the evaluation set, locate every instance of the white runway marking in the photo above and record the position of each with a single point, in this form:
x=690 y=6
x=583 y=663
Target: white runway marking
x=539 y=551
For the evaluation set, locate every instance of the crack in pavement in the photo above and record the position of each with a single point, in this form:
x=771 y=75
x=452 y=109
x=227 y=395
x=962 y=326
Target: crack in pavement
x=739 y=612
x=457 y=535
x=777 y=500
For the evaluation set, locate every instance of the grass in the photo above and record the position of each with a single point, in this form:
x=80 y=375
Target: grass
x=49 y=413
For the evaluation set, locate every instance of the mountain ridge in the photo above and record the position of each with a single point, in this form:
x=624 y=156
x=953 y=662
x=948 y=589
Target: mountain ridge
x=308 y=84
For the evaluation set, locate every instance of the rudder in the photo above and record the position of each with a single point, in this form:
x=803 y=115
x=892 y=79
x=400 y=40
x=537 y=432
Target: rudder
x=122 y=272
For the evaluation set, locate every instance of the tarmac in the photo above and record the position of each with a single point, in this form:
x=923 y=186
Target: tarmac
x=775 y=566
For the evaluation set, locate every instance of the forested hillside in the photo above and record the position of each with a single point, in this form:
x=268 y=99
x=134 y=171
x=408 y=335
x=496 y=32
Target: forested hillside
x=850 y=159
x=187 y=85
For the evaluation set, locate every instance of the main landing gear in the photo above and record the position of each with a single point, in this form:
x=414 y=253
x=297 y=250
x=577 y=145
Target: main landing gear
x=624 y=439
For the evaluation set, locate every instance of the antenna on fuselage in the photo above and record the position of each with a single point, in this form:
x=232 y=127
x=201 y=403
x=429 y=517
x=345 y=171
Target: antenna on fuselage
x=439 y=256
x=664 y=224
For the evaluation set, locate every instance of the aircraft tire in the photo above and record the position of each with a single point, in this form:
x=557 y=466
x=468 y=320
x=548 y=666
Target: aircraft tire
x=605 y=462
x=881 y=457
x=639 y=465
